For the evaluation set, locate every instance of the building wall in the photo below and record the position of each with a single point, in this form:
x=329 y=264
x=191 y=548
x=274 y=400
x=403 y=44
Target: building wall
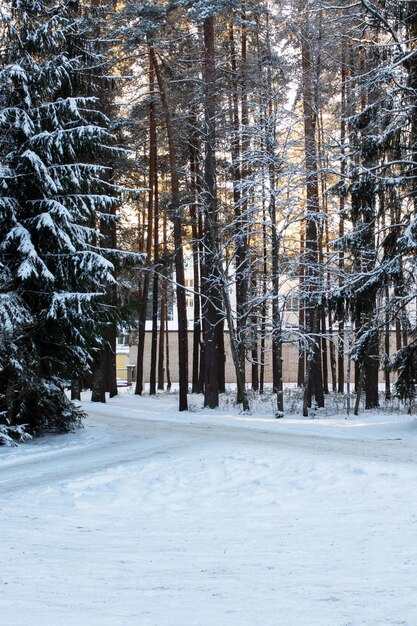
x=290 y=360
x=122 y=360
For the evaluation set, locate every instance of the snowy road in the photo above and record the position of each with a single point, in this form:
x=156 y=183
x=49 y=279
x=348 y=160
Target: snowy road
x=148 y=517
x=135 y=435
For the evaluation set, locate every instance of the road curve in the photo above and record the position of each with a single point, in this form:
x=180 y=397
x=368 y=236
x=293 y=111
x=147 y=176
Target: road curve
x=134 y=434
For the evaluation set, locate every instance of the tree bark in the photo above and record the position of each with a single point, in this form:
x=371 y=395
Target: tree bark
x=146 y=279
x=196 y=250
x=341 y=255
x=179 y=254
x=210 y=277
x=161 y=370
x=239 y=203
x=155 y=286
x=313 y=276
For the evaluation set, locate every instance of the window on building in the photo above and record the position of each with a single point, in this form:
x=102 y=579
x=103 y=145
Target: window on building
x=291 y=304
x=123 y=340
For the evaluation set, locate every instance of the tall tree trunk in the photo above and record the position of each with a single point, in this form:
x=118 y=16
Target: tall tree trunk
x=254 y=342
x=341 y=255
x=364 y=214
x=313 y=276
x=214 y=282
x=196 y=243
x=238 y=202
x=179 y=254
x=155 y=286
x=242 y=249
x=323 y=231
x=264 y=287
x=104 y=378
x=276 y=313
x=146 y=279
x=276 y=336
x=210 y=277
x=201 y=253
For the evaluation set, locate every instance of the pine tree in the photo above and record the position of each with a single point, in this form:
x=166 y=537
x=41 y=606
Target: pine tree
x=55 y=194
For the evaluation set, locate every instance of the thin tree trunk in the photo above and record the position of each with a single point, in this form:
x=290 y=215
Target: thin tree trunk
x=243 y=251
x=222 y=358
x=365 y=214
x=169 y=383
x=359 y=391
x=341 y=259
x=323 y=233
x=194 y=215
x=264 y=292
x=201 y=253
x=255 y=355
x=146 y=280
x=161 y=371
x=237 y=169
x=277 y=384
x=301 y=317
x=155 y=286
x=179 y=254
x=324 y=352
x=387 y=347
x=398 y=334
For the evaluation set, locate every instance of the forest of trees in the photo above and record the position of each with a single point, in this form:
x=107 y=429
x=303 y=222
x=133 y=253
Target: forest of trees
x=273 y=143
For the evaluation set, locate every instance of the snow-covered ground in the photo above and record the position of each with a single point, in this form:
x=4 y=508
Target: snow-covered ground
x=149 y=517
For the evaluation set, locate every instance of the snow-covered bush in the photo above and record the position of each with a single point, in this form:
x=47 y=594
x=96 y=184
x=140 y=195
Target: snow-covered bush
x=12 y=435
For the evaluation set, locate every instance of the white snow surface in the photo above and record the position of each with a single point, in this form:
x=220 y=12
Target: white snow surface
x=150 y=517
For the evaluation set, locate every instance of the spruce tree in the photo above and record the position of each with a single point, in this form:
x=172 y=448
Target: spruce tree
x=55 y=194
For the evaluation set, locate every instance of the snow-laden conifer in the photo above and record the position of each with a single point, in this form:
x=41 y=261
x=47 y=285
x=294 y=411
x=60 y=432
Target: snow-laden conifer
x=55 y=192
